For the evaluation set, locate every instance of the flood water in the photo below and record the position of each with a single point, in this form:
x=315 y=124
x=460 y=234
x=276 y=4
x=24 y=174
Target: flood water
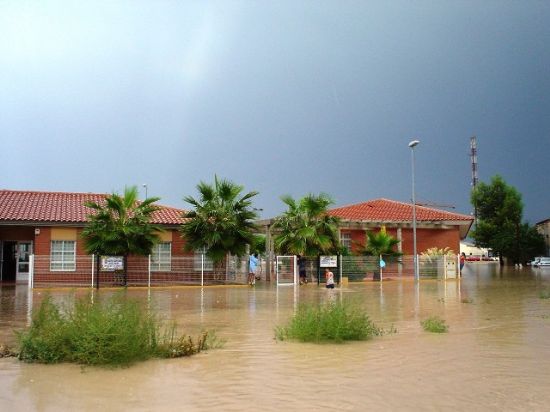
x=496 y=355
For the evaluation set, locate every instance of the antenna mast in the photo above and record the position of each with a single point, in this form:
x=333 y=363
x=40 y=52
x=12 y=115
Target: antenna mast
x=473 y=158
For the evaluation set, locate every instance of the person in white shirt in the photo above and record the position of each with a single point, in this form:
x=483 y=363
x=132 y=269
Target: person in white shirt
x=329 y=276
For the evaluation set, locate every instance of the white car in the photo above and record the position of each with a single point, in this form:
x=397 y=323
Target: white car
x=534 y=261
x=541 y=261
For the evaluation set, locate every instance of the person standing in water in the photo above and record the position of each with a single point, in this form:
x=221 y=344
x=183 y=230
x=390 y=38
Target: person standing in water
x=302 y=269
x=253 y=264
x=329 y=276
x=462 y=260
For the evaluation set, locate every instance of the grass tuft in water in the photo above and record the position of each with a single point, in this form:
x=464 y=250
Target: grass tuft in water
x=332 y=322
x=6 y=351
x=116 y=332
x=467 y=300
x=434 y=324
x=544 y=294
x=174 y=345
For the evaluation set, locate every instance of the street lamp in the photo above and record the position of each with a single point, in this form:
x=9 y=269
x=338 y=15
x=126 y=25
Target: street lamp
x=145 y=187
x=412 y=145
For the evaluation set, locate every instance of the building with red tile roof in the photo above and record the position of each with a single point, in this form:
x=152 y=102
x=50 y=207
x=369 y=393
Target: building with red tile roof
x=50 y=224
x=62 y=208
x=435 y=228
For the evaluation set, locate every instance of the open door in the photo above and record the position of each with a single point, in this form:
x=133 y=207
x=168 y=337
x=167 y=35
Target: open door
x=8 y=262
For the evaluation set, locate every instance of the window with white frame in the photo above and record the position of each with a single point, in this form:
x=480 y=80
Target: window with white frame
x=197 y=262
x=345 y=240
x=63 y=255
x=161 y=257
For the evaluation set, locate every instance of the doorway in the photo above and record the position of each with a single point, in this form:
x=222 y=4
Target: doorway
x=8 y=261
x=15 y=261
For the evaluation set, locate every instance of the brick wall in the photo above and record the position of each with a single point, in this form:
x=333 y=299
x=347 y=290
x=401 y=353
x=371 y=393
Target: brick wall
x=42 y=242
x=425 y=238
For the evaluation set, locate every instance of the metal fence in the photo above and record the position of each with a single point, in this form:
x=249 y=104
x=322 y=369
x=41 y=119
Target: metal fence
x=141 y=271
x=198 y=270
x=358 y=268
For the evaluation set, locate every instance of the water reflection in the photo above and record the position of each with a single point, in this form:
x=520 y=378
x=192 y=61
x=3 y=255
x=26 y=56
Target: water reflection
x=494 y=357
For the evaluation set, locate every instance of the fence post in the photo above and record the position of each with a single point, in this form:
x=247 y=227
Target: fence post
x=31 y=271
x=340 y=269
x=381 y=268
x=149 y=272
x=93 y=269
x=202 y=269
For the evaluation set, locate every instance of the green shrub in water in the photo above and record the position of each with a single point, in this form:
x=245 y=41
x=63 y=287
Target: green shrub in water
x=434 y=324
x=544 y=294
x=45 y=341
x=116 y=332
x=332 y=322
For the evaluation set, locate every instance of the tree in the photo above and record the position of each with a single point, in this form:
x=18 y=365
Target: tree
x=499 y=226
x=221 y=222
x=379 y=244
x=306 y=228
x=434 y=253
x=121 y=226
x=258 y=246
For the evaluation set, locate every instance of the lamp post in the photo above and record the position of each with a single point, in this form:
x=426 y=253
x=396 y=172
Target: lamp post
x=145 y=187
x=412 y=145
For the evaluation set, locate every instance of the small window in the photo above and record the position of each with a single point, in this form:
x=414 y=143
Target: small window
x=197 y=263
x=161 y=257
x=63 y=255
x=345 y=240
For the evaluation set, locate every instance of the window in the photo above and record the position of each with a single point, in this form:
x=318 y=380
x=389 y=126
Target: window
x=161 y=257
x=345 y=240
x=63 y=255
x=197 y=262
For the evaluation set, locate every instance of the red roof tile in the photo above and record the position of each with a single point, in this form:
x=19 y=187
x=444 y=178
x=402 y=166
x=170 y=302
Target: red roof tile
x=62 y=207
x=384 y=210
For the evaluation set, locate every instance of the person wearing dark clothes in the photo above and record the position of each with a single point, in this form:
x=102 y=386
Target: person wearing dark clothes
x=302 y=269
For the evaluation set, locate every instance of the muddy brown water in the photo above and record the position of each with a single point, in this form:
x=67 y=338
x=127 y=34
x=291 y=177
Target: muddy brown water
x=496 y=355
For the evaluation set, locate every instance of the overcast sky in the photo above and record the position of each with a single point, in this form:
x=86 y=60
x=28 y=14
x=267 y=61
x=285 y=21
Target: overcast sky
x=282 y=97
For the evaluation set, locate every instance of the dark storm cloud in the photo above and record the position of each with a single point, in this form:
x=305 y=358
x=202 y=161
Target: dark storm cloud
x=284 y=98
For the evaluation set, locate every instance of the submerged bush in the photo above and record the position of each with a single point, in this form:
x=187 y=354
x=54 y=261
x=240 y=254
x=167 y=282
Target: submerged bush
x=336 y=322
x=46 y=340
x=116 y=332
x=434 y=324
x=173 y=345
x=544 y=294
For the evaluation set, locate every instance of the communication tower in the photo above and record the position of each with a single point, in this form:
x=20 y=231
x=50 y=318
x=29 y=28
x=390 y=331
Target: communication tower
x=473 y=158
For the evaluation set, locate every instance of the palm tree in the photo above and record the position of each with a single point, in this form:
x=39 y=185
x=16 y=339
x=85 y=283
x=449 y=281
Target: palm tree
x=379 y=244
x=306 y=228
x=221 y=222
x=121 y=226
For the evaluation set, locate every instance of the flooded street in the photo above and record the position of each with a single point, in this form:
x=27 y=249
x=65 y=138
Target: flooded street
x=496 y=355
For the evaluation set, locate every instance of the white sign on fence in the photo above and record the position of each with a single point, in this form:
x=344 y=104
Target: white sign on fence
x=112 y=263
x=328 y=261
